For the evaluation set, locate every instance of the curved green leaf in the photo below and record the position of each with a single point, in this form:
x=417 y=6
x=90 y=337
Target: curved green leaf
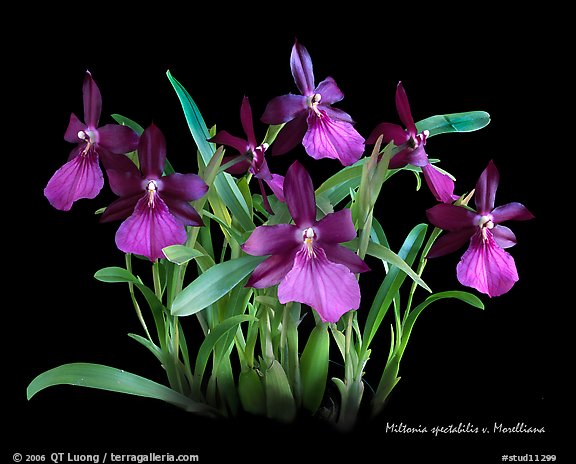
x=115 y=275
x=181 y=254
x=128 y=122
x=279 y=399
x=455 y=122
x=314 y=367
x=213 y=284
x=408 y=324
x=112 y=379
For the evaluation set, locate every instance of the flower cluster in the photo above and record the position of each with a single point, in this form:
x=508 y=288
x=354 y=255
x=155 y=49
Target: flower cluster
x=281 y=250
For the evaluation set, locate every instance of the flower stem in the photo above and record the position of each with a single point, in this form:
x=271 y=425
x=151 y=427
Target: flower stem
x=128 y=259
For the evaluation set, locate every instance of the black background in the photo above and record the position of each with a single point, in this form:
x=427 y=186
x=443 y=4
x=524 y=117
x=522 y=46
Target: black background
x=462 y=365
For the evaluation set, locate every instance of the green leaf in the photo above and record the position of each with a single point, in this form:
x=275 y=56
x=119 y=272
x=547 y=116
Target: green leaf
x=210 y=342
x=272 y=133
x=279 y=400
x=213 y=284
x=385 y=254
x=338 y=186
x=387 y=383
x=224 y=182
x=180 y=254
x=112 y=379
x=314 y=367
x=455 y=122
x=251 y=392
x=115 y=275
x=128 y=122
x=408 y=324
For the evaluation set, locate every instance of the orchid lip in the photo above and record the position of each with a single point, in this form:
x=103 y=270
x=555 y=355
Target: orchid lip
x=308 y=237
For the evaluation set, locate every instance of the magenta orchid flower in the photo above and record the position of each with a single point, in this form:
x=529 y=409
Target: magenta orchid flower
x=411 y=145
x=307 y=259
x=325 y=132
x=81 y=176
x=485 y=266
x=157 y=207
x=251 y=156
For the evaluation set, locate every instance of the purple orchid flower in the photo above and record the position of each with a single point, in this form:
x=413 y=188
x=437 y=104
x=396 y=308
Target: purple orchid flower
x=306 y=258
x=81 y=176
x=252 y=156
x=411 y=145
x=325 y=132
x=485 y=266
x=156 y=206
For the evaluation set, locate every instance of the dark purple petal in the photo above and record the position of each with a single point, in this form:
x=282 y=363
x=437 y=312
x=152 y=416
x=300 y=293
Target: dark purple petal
x=92 y=102
x=276 y=183
x=329 y=288
x=342 y=255
x=328 y=138
x=187 y=187
x=242 y=165
x=391 y=132
x=81 y=177
x=271 y=271
x=335 y=228
x=450 y=242
x=403 y=108
x=299 y=193
x=486 y=189
x=152 y=152
x=284 y=108
x=74 y=126
x=301 y=66
x=329 y=91
x=182 y=211
x=246 y=120
x=336 y=114
x=417 y=156
x=487 y=267
x=400 y=159
x=125 y=183
x=149 y=229
x=451 y=217
x=440 y=184
x=503 y=236
x=511 y=212
x=272 y=240
x=224 y=138
x=121 y=208
x=290 y=135
x=117 y=139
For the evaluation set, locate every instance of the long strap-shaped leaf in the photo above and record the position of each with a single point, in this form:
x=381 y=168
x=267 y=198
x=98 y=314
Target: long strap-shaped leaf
x=112 y=379
x=224 y=182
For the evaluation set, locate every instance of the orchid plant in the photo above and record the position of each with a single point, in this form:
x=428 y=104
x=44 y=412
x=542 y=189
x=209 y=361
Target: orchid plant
x=252 y=267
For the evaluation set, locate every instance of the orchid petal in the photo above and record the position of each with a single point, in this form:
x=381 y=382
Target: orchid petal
x=247 y=123
x=511 y=212
x=417 y=156
x=487 y=267
x=403 y=108
x=242 y=165
x=335 y=227
x=329 y=288
x=301 y=66
x=187 y=187
x=149 y=229
x=327 y=138
x=451 y=217
x=329 y=91
x=276 y=184
x=290 y=135
x=299 y=193
x=121 y=208
x=272 y=270
x=450 y=242
x=152 y=152
x=503 y=236
x=486 y=189
x=182 y=211
x=272 y=240
x=336 y=113
x=224 y=138
x=284 y=108
x=117 y=139
x=92 y=101
x=342 y=255
x=81 y=177
x=440 y=184
x=74 y=127
x=125 y=183
x=390 y=132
